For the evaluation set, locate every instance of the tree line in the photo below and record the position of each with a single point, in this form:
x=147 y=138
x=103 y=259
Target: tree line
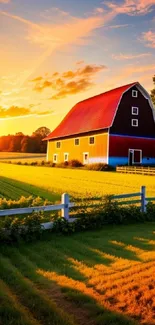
x=25 y=143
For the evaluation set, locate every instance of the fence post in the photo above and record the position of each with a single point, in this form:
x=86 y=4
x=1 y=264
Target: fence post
x=143 y=199
x=65 y=210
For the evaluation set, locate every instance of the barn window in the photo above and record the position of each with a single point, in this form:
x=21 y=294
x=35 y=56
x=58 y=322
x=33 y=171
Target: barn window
x=135 y=110
x=134 y=93
x=55 y=158
x=58 y=144
x=91 y=140
x=77 y=142
x=66 y=155
x=134 y=122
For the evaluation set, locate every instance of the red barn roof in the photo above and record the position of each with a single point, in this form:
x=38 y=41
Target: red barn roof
x=92 y=114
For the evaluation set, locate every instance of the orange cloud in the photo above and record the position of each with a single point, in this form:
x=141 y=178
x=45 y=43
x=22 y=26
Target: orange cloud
x=80 y=80
x=72 y=88
x=37 y=79
x=5 y=1
x=149 y=39
x=16 y=111
x=13 y=111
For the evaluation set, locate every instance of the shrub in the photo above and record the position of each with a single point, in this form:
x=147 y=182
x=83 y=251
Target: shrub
x=62 y=164
x=99 y=167
x=34 y=163
x=74 y=163
x=16 y=229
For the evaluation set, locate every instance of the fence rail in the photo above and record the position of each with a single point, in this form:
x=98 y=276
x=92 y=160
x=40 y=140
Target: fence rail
x=66 y=205
x=136 y=170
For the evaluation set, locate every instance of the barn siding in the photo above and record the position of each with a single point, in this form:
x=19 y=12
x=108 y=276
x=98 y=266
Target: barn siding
x=97 y=152
x=119 y=146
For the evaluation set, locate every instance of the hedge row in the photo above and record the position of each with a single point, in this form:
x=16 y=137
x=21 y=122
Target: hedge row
x=15 y=229
x=67 y=164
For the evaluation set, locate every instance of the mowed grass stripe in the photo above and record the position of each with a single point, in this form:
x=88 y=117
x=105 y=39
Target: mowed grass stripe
x=92 y=312
x=11 y=311
x=13 y=189
x=42 y=308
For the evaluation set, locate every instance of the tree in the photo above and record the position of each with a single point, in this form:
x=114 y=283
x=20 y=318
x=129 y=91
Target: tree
x=42 y=132
x=153 y=91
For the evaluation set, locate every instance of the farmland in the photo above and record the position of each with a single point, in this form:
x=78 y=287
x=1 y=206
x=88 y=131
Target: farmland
x=23 y=157
x=103 y=277
x=77 y=183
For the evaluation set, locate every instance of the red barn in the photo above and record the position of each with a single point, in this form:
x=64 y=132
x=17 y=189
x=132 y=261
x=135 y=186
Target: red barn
x=116 y=128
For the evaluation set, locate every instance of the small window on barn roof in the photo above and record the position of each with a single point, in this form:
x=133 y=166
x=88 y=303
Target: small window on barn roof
x=58 y=144
x=134 y=93
x=77 y=141
x=135 y=110
x=134 y=122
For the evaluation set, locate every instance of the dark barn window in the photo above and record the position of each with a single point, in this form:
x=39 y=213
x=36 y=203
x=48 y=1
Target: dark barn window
x=77 y=142
x=58 y=144
x=91 y=140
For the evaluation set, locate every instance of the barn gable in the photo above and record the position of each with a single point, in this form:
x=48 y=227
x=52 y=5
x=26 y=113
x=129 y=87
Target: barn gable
x=135 y=114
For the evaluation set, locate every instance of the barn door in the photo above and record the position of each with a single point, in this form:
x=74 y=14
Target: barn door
x=137 y=156
x=134 y=157
x=85 y=158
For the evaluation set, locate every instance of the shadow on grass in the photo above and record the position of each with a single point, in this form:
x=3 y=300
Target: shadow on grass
x=69 y=262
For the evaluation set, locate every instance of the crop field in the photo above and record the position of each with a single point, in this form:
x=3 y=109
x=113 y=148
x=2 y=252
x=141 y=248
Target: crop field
x=23 y=157
x=99 y=278
x=77 y=183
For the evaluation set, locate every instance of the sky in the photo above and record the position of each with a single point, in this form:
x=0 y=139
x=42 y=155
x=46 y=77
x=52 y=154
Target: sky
x=55 y=53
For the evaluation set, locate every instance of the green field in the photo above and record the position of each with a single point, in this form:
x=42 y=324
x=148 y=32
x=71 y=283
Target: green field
x=77 y=183
x=99 y=278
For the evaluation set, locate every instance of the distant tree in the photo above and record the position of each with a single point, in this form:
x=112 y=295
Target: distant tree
x=24 y=143
x=153 y=91
x=42 y=132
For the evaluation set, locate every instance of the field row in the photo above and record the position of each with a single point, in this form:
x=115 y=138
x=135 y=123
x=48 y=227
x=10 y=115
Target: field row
x=104 y=277
x=78 y=183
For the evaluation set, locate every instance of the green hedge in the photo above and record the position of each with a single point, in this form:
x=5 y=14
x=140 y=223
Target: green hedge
x=14 y=229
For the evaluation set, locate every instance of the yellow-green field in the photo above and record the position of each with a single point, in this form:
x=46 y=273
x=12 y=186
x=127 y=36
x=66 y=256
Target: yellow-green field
x=78 y=183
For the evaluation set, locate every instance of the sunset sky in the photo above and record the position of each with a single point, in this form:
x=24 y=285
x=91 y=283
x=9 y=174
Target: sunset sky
x=54 y=53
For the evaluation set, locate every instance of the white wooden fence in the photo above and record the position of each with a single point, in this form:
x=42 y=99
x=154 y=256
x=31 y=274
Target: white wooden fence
x=66 y=205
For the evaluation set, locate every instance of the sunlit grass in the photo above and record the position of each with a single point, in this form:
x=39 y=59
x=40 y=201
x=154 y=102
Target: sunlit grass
x=103 y=277
x=78 y=183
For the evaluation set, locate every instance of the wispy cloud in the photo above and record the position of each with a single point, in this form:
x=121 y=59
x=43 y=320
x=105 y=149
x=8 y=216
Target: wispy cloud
x=130 y=73
x=69 y=82
x=149 y=39
x=16 y=111
x=131 y=7
x=51 y=37
x=122 y=56
x=117 y=26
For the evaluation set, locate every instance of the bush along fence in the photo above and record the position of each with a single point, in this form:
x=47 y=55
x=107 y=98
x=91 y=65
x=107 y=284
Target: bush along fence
x=116 y=209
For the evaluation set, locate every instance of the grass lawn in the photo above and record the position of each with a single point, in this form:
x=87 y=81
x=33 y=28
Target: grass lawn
x=97 y=278
x=76 y=182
